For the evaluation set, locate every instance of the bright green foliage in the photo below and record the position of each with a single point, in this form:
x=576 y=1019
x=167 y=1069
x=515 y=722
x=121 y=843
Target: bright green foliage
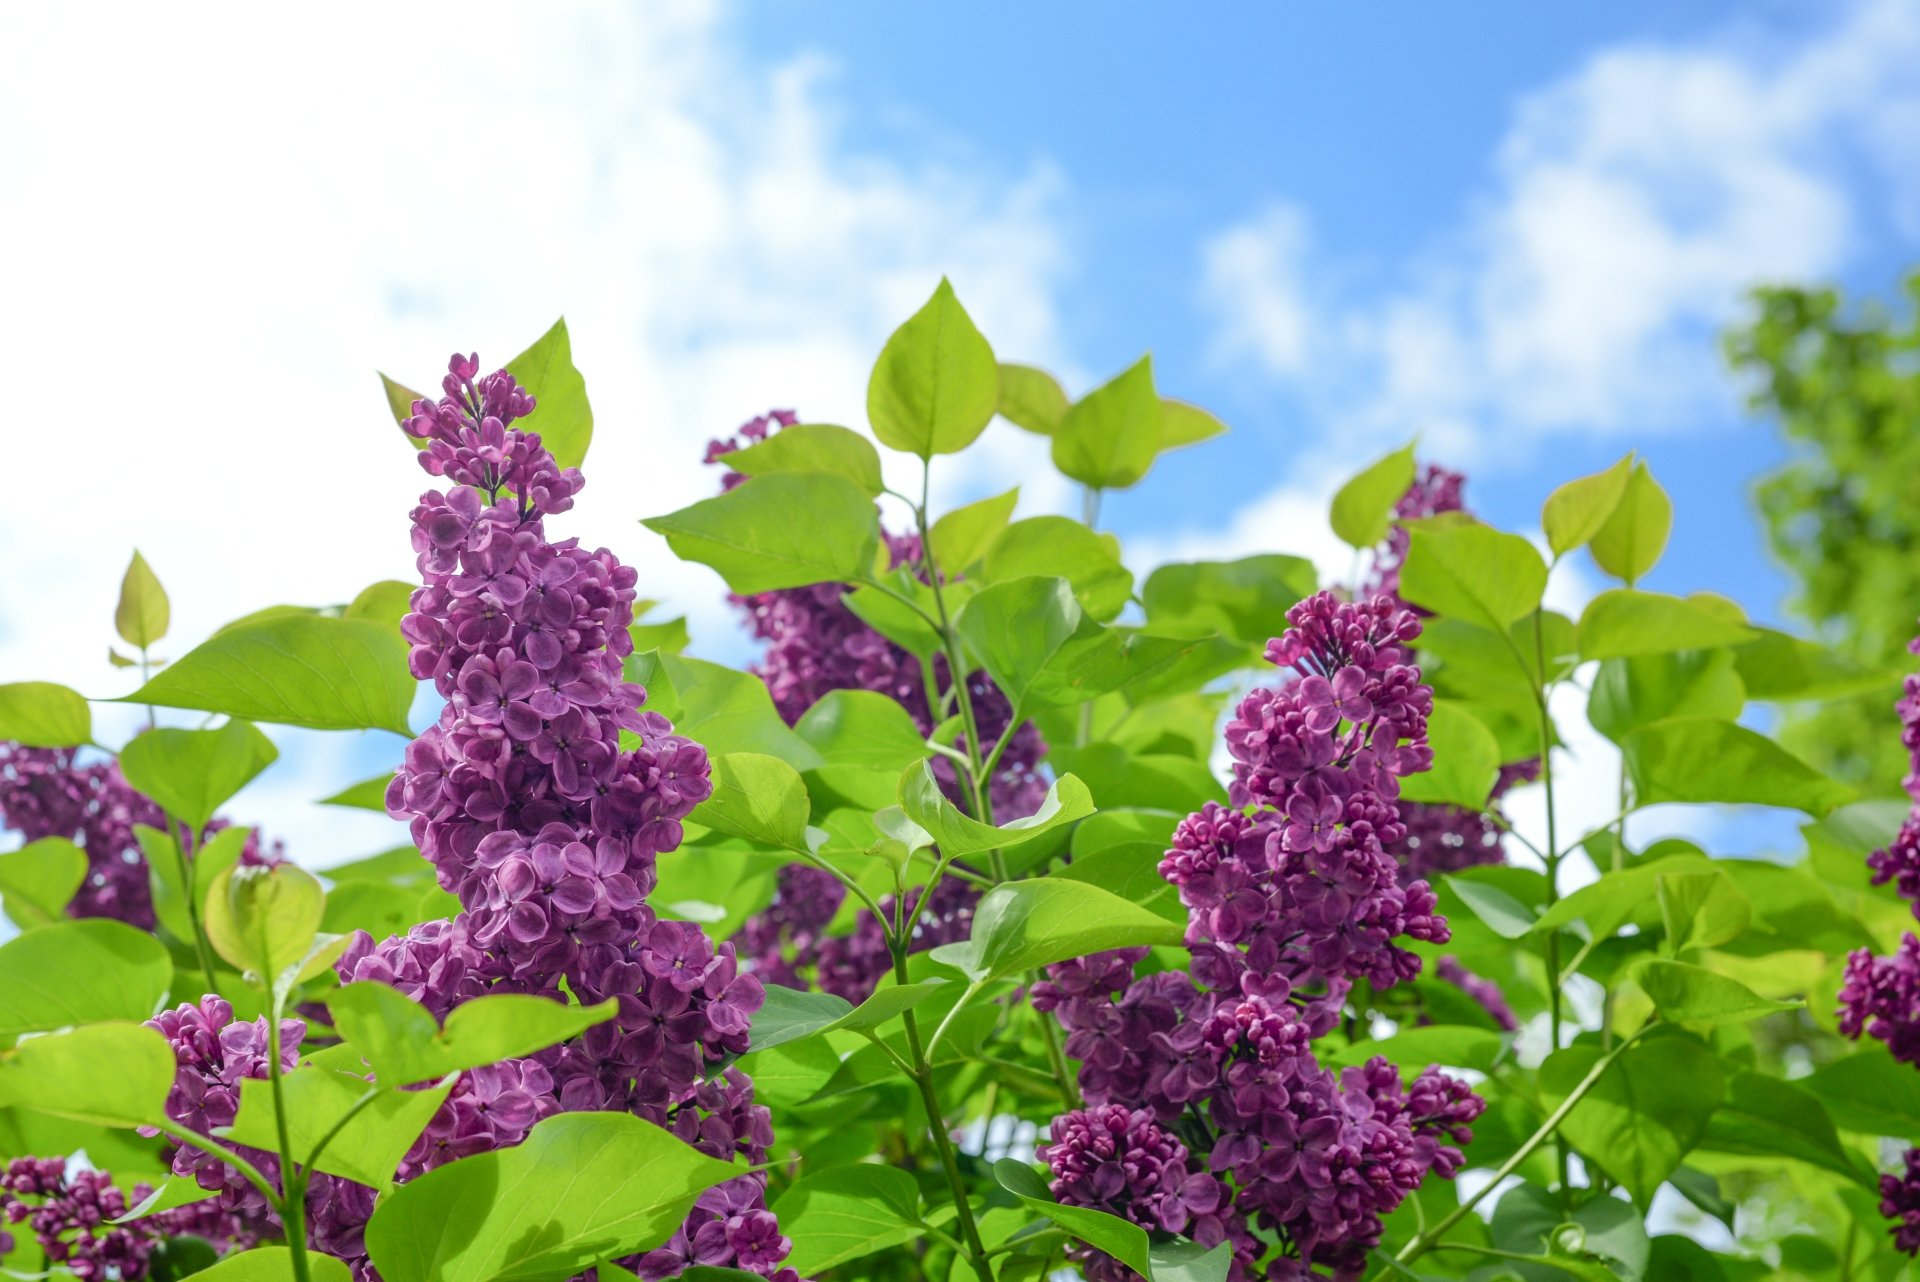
x=386 y=602
x=400 y=1040
x=38 y=880
x=263 y=920
x=40 y=714
x=192 y=773
x=1466 y=571
x=1122 y=1239
x=294 y=669
x=519 y=1213
x=546 y=370
x=141 y=615
x=962 y=836
x=108 y=1074
x=936 y=385
x=1363 y=507
x=1031 y=398
x=848 y=1212
x=761 y=799
x=960 y=538
x=1063 y=548
x=1466 y=758
x=783 y=530
x=1707 y=759
x=1622 y=623
x=1647 y=1110
x=80 y=972
x=1580 y=509
x=1631 y=540
x=1246 y=600
x=812 y=448
x=366 y=1130
x=862 y=728
x=1026 y=924
x=274 y=1264
x=1109 y=437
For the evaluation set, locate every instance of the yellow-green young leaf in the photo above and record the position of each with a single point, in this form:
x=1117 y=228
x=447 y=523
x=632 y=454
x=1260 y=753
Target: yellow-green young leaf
x=192 y=773
x=371 y=1138
x=386 y=603
x=40 y=879
x=936 y=385
x=1629 y=693
x=1645 y=1113
x=1450 y=1045
x=80 y=972
x=400 y=399
x=727 y=711
x=1695 y=995
x=1622 y=622
x=962 y=536
x=1468 y=571
x=1466 y=760
x=520 y=1213
x=1109 y=437
x=786 y=530
x=848 y=1212
x=1021 y=925
x=1183 y=424
x=1778 y=666
x=1577 y=510
x=961 y=836
x=40 y=714
x=1031 y=398
x=297 y=670
x=862 y=728
x=813 y=447
x=1363 y=507
x=1172 y=1261
x=274 y=1264
x=1635 y=535
x=757 y=797
x=1701 y=909
x=264 y=919
x=1704 y=759
x=1056 y=545
x=114 y=1074
x=141 y=615
x=400 y=1039
x=1246 y=600
x=562 y=415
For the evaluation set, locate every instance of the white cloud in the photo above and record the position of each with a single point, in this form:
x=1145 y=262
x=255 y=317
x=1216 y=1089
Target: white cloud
x=220 y=224
x=1631 y=206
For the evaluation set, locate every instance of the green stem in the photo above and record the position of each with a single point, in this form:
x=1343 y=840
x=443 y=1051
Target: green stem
x=1542 y=688
x=1426 y=1241
x=203 y=946
x=293 y=1203
x=146 y=675
x=922 y=1075
x=213 y=1148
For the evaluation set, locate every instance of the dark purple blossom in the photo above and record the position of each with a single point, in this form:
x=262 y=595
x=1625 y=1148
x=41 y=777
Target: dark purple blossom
x=1484 y=991
x=1900 y=1202
x=70 y=1214
x=1880 y=996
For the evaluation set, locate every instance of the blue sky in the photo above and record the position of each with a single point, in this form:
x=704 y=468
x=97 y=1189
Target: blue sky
x=1512 y=228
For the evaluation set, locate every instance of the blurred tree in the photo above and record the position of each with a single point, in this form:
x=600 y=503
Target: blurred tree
x=1843 y=382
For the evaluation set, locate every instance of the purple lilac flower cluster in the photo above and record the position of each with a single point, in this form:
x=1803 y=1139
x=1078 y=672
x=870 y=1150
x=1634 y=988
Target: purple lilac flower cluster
x=45 y=792
x=1291 y=896
x=814 y=645
x=542 y=796
x=1880 y=996
x=71 y=1214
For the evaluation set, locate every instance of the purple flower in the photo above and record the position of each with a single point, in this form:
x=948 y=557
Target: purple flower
x=1900 y=1202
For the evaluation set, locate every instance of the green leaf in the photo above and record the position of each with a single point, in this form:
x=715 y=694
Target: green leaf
x=1531 y=1221
x=786 y=530
x=908 y=626
x=1706 y=759
x=141 y=615
x=727 y=710
x=1635 y=535
x=40 y=879
x=1578 y=510
x=386 y=603
x=368 y=794
x=1870 y=1092
x=813 y=447
x=519 y=1214
x=1019 y=926
x=400 y=1039
x=174 y=1192
x=400 y=399
x=1031 y=398
x=1610 y=902
x=40 y=714
x=1125 y=1241
x=1768 y=1117
x=1778 y=666
x=562 y=416
x=1109 y=437
x=788 y=1015
x=370 y=1139
x=1057 y=546
x=1646 y=1112
x=190 y=774
x=1466 y=761
x=862 y=728
x=756 y=797
x=1701 y=909
x=1452 y=1045
x=263 y=920
x=1471 y=572
x=1246 y=599
x=960 y=538
x=1695 y=995
x=848 y=1212
x=961 y=836
x=1630 y=693
x=1183 y=424
x=1504 y=915
x=80 y=972
x=275 y=1264
x=298 y=670
x=1622 y=622
x=936 y=385
x=115 y=1074
x=1363 y=507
